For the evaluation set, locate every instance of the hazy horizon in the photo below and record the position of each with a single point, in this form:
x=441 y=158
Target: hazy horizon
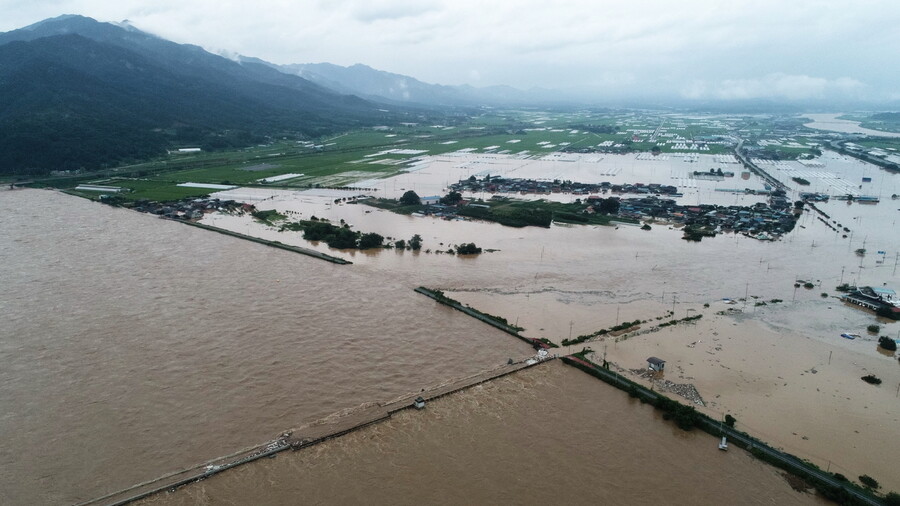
x=801 y=52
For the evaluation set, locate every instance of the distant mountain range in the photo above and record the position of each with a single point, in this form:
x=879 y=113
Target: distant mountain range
x=76 y=93
x=381 y=86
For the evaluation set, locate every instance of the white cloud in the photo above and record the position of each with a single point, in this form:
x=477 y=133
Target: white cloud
x=691 y=48
x=775 y=86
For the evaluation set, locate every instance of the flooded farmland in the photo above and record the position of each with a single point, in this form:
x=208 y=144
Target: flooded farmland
x=134 y=346
x=568 y=281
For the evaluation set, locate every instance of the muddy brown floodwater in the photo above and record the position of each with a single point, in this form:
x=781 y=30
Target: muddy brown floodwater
x=131 y=346
x=566 y=281
x=547 y=435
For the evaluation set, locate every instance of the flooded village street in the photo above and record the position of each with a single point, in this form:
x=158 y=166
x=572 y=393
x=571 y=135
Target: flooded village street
x=135 y=346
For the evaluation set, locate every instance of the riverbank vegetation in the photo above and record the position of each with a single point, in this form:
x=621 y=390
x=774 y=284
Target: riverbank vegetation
x=630 y=326
x=268 y=217
x=335 y=236
x=696 y=233
x=441 y=297
x=493 y=320
x=503 y=210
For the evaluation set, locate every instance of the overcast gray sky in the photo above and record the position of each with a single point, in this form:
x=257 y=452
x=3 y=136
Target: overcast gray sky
x=706 y=49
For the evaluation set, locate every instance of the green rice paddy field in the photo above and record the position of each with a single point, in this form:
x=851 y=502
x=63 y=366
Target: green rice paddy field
x=366 y=154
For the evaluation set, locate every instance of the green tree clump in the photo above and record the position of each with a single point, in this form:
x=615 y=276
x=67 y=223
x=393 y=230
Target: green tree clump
x=887 y=343
x=333 y=235
x=872 y=379
x=370 y=240
x=609 y=206
x=467 y=249
x=451 y=199
x=685 y=417
x=892 y=499
x=869 y=482
x=410 y=198
x=415 y=243
x=343 y=238
x=267 y=216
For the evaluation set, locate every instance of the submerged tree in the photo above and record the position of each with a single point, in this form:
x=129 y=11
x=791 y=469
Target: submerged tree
x=415 y=243
x=370 y=240
x=467 y=249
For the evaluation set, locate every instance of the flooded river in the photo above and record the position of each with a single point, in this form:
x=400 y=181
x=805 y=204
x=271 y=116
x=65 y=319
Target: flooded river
x=132 y=346
x=831 y=123
x=547 y=435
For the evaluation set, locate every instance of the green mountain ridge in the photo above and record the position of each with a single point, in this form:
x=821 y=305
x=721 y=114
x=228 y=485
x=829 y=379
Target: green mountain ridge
x=76 y=93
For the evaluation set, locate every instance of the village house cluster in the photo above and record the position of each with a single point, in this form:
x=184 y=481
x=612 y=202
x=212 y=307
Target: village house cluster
x=533 y=186
x=764 y=221
x=188 y=209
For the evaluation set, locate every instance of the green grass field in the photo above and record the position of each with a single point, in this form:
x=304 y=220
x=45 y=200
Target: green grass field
x=343 y=159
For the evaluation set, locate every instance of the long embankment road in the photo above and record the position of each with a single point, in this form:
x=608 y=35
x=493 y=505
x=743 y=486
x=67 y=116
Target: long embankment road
x=492 y=321
x=274 y=244
x=783 y=460
x=315 y=433
x=775 y=183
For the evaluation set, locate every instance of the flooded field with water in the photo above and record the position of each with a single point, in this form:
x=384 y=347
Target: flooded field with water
x=566 y=281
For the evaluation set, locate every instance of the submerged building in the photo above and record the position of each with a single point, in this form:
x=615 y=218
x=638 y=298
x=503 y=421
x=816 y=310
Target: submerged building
x=883 y=301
